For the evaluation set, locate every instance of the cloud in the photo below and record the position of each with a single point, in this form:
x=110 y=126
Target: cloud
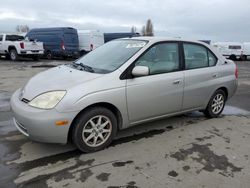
x=8 y=14
x=222 y=20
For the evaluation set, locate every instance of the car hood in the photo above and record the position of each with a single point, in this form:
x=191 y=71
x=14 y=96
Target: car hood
x=58 y=78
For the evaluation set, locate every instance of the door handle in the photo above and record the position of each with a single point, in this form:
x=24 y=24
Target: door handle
x=215 y=75
x=177 y=82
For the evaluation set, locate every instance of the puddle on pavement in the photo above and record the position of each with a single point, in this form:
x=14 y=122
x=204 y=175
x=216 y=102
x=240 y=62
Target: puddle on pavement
x=232 y=110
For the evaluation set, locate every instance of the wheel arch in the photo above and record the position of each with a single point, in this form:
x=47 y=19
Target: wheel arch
x=225 y=90
x=107 y=105
x=10 y=48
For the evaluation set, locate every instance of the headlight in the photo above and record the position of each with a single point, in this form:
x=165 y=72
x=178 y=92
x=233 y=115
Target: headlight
x=47 y=100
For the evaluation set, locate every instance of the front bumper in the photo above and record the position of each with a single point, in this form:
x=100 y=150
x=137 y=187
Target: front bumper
x=39 y=125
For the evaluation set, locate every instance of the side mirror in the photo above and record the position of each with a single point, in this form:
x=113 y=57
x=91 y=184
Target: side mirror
x=140 y=71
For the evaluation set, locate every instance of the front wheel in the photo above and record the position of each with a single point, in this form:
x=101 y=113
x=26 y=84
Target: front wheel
x=94 y=129
x=216 y=104
x=13 y=55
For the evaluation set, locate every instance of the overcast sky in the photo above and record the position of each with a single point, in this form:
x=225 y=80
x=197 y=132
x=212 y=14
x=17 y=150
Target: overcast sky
x=217 y=20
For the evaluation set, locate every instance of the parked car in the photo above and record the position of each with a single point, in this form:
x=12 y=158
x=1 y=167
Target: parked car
x=123 y=83
x=58 y=41
x=89 y=40
x=246 y=51
x=231 y=50
x=112 y=36
x=14 y=46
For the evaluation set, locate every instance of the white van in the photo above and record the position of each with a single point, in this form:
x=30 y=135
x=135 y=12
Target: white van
x=231 y=50
x=89 y=40
x=246 y=51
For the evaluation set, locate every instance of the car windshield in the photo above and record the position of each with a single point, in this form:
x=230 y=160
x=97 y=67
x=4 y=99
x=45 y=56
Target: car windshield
x=111 y=55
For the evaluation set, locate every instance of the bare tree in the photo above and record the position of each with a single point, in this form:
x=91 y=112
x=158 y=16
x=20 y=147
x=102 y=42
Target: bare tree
x=22 y=28
x=143 y=31
x=133 y=29
x=149 y=28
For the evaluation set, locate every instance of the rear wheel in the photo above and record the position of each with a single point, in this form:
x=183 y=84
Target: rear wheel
x=233 y=57
x=216 y=104
x=48 y=55
x=243 y=58
x=94 y=129
x=13 y=55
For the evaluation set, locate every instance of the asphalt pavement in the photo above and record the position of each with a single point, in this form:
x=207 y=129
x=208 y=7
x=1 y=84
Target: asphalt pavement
x=183 y=151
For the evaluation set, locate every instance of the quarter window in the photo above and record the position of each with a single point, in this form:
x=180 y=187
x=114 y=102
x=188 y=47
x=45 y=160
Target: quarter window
x=197 y=56
x=1 y=37
x=161 y=58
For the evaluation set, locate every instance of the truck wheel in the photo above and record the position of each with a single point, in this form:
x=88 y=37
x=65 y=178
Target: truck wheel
x=83 y=52
x=94 y=129
x=48 y=55
x=13 y=55
x=233 y=57
x=243 y=58
x=216 y=104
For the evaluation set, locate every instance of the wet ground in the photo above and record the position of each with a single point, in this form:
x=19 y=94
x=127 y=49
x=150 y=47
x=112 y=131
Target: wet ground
x=183 y=151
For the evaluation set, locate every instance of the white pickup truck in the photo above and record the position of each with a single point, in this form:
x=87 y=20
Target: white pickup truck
x=14 y=46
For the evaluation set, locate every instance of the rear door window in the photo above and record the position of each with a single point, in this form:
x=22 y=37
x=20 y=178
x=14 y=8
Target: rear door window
x=14 y=38
x=212 y=60
x=197 y=56
x=1 y=37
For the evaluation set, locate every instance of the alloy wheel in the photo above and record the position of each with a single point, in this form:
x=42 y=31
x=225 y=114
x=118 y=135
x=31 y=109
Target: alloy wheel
x=97 y=131
x=217 y=103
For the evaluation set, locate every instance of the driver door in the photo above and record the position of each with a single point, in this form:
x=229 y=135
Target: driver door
x=161 y=92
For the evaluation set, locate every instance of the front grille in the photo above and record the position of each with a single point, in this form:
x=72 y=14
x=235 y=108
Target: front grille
x=25 y=100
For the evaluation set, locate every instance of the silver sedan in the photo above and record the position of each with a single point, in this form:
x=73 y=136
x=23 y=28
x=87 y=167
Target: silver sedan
x=120 y=84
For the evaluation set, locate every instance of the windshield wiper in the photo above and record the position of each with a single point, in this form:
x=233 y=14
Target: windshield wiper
x=85 y=67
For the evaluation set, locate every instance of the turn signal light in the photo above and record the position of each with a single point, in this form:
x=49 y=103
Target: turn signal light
x=61 y=123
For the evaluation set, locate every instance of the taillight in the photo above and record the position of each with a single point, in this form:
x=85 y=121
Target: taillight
x=236 y=72
x=62 y=45
x=22 y=45
x=91 y=47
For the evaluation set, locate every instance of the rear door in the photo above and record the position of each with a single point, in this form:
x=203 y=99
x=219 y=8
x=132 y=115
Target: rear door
x=200 y=75
x=71 y=41
x=161 y=92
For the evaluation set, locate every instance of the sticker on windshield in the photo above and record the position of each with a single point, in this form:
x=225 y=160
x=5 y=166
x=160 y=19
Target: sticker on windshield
x=136 y=45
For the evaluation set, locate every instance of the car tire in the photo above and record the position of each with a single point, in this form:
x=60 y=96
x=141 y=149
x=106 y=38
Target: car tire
x=48 y=55
x=243 y=58
x=94 y=129
x=13 y=55
x=233 y=57
x=216 y=104
x=83 y=53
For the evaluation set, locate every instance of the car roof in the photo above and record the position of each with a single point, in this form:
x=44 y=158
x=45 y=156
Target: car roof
x=160 y=39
